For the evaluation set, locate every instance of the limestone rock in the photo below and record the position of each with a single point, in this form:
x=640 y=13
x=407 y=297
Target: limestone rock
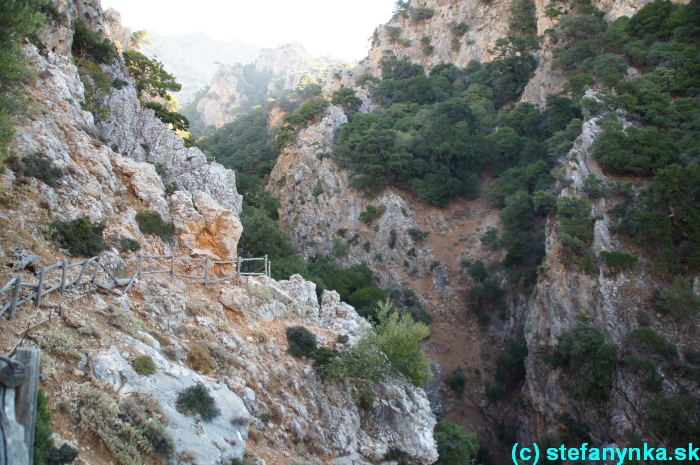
x=146 y=184
x=315 y=220
x=204 y=227
x=234 y=299
x=110 y=367
x=217 y=106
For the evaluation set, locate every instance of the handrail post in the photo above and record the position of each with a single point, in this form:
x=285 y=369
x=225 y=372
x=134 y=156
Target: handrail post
x=206 y=272
x=172 y=267
x=63 y=276
x=82 y=272
x=269 y=270
x=265 y=265
x=238 y=271
x=97 y=269
x=140 y=264
x=40 y=286
x=15 y=297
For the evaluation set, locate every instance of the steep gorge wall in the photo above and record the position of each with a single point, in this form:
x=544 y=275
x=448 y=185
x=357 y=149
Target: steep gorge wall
x=317 y=202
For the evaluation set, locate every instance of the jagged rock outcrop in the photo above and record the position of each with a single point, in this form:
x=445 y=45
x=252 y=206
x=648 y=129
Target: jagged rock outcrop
x=223 y=97
x=291 y=62
x=135 y=132
x=286 y=64
x=204 y=227
x=319 y=207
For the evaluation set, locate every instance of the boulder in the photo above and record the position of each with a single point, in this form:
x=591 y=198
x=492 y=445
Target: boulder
x=204 y=227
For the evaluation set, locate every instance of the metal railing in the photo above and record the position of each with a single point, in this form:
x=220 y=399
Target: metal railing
x=89 y=276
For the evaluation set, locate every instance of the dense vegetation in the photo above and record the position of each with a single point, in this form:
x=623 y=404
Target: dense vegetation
x=589 y=359
x=661 y=41
x=18 y=20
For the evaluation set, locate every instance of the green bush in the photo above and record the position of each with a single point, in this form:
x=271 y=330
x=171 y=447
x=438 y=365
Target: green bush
x=144 y=365
x=128 y=245
x=494 y=391
x=679 y=299
x=399 y=337
x=370 y=214
x=674 y=418
x=418 y=235
x=590 y=359
x=421 y=13
x=161 y=441
x=399 y=456
x=197 y=400
x=151 y=77
x=19 y=21
x=618 y=261
x=456 y=380
x=44 y=451
x=455 y=445
x=478 y=271
x=313 y=108
x=178 y=121
x=302 y=342
x=36 y=166
x=96 y=83
x=594 y=186
x=644 y=319
x=648 y=339
x=577 y=227
x=43 y=441
x=486 y=299
x=340 y=248
x=92 y=44
x=61 y=456
x=150 y=222
x=460 y=29
x=510 y=368
x=692 y=356
x=346 y=99
x=79 y=236
x=490 y=238
x=364 y=300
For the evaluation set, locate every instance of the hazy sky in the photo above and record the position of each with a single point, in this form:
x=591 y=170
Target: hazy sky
x=339 y=28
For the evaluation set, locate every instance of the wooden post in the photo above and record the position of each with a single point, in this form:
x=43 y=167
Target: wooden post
x=97 y=269
x=265 y=265
x=269 y=269
x=206 y=272
x=238 y=271
x=82 y=272
x=40 y=286
x=15 y=297
x=64 y=274
x=25 y=397
x=172 y=267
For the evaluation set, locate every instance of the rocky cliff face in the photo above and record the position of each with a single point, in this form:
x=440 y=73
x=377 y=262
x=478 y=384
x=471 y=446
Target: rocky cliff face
x=319 y=208
x=115 y=169
x=436 y=39
x=292 y=62
x=223 y=97
x=611 y=302
x=287 y=65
